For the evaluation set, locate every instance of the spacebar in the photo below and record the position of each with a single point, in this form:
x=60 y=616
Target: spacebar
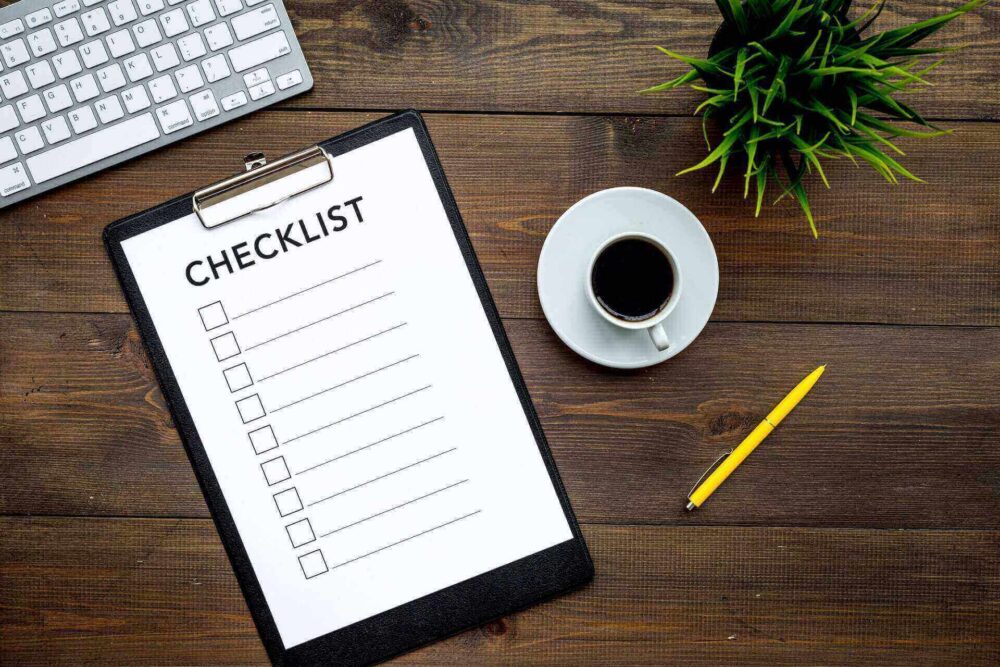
x=93 y=147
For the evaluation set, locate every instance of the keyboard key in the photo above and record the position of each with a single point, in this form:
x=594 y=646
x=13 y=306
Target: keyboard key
x=66 y=7
x=164 y=57
x=174 y=116
x=42 y=42
x=233 y=101
x=55 y=130
x=255 y=22
x=122 y=12
x=67 y=64
x=189 y=78
x=256 y=76
x=111 y=77
x=13 y=179
x=95 y=22
x=136 y=99
x=31 y=108
x=7 y=150
x=84 y=88
x=109 y=109
x=251 y=3
x=120 y=43
x=35 y=19
x=227 y=7
x=68 y=32
x=286 y=81
x=200 y=12
x=218 y=36
x=162 y=89
x=13 y=85
x=259 y=51
x=204 y=106
x=147 y=33
x=29 y=140
x=148 y=7
x=173 y=23
x=15 y=53
x=97 y=146
x=11 y=28
x=215 y=68
x=8 y=119
x=57 y=99
x=91 y=3
x=262 y=90
x=191 y=47
x=40 y=74
x=93 y=53
x=82 y=120
x=138 y=67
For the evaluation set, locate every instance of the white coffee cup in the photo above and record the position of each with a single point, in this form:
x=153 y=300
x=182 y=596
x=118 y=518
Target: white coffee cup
x=654 y=323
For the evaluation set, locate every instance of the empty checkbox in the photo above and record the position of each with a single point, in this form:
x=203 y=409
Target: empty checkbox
x=250 y=408
x=225 y=346
x=275 y=471
x=313 y=564
x=300 y=533
x=288 y=501
x=213 y=316
x=238 y=377
x=263 y=439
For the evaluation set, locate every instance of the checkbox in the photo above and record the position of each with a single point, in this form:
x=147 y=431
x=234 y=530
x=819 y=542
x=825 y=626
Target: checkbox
x=263 y=439
x=250 y=408
x=213 y=316
x=275 y=471
x=300 y=533
x=287 y=502
x=225 y=346
x=238 y=377
x=313 y=564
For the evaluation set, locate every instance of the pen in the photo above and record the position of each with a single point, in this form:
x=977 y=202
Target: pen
x=705 y=488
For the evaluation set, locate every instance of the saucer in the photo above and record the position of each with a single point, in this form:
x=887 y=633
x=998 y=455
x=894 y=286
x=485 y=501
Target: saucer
x=572 y=241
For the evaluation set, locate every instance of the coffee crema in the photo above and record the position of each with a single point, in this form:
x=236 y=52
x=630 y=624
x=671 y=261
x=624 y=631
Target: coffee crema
x=632 y=279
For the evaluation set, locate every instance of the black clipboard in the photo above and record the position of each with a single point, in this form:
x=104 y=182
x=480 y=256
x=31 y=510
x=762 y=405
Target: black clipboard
x=446 y=612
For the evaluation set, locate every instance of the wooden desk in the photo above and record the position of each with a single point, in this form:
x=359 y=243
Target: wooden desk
x=866 y=530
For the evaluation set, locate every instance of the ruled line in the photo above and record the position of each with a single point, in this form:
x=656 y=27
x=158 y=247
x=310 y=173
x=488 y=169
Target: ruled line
x=320 y=320
x=375 y=479
x=406 y=539
x=370 y=445
x=344 y=383
x=392 y=509
x=357 y=414
x=327 y=354
x=303 y=291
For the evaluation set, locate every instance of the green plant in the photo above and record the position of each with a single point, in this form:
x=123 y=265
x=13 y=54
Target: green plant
x=797 y=81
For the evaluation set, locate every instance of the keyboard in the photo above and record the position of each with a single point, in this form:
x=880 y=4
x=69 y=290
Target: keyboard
x=86 y=84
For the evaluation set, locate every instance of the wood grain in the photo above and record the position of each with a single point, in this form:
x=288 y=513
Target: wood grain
x=901 y=431
x=587 y=56
x=102 y=591
x=914 y=254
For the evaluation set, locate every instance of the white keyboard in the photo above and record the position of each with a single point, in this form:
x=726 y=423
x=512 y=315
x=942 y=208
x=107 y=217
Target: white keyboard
x=85 y=84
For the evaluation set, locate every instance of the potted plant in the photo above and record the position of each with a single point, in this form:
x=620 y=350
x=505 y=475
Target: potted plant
x=796 y=82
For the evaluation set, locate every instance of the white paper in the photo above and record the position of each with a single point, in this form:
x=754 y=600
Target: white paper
x=379 y=399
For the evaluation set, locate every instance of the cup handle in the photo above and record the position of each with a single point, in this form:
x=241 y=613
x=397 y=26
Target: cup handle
x=659 y=336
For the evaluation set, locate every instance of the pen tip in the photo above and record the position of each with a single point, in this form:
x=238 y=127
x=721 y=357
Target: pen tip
x=690 y=506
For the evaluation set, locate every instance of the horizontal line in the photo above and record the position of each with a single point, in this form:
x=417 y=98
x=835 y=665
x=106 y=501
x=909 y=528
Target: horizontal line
x=357 y=414
x=375 y=479
x=406 y=539
x=322 y=319
x=377 y=442
x=345 y=383
x=303 y=291
x=327 y=354
x=392 y=509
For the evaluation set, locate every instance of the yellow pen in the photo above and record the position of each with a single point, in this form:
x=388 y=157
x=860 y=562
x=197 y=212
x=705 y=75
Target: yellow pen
x=702 y=491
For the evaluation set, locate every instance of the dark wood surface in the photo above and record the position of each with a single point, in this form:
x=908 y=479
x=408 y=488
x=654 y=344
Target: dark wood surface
x=865 y=531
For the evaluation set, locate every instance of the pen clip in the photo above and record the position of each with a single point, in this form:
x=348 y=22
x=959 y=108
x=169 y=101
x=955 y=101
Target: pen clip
x=709 y=471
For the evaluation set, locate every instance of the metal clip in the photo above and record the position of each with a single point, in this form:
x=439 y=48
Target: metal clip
x=709 y=471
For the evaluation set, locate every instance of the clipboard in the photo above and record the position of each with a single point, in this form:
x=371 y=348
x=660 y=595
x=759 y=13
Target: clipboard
x=465 y=604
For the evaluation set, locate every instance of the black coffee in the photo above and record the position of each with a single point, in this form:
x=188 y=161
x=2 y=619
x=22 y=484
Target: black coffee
x=632 y=279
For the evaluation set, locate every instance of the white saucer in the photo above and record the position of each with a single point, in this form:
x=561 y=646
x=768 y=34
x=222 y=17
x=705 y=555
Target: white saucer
x=572 y=241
